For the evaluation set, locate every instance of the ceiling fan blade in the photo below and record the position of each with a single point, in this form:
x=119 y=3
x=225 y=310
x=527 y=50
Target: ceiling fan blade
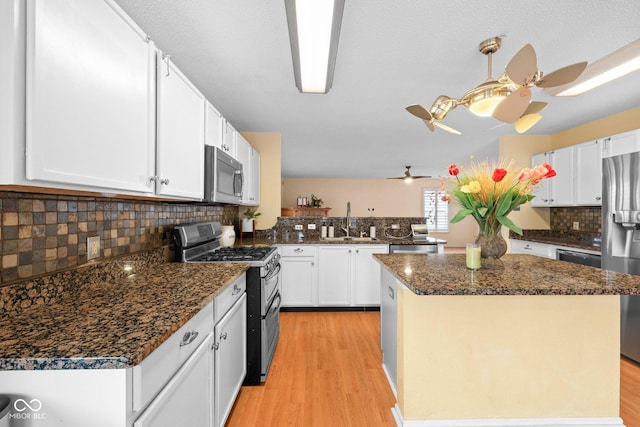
x=534 y=107
x=447 y=128
x=421 y=176
x=429 y=125
x=513 y=106
x=419 y=111
x=563 y=75
x=526 y=122
x=522 y=65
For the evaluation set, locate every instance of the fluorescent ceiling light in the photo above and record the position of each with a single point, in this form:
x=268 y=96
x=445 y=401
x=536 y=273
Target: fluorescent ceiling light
x=606 y=69
x=314 y=29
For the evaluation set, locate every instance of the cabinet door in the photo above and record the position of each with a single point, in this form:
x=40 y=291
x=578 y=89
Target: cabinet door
x=254 y=178
x=622 y=143
x=90 y=105
x=299 y=281
x=334 y=275
x=180 y=144
x=367 y=275
x=243 y=156
x=562 y=184
x=230 y=359
x=186 y=399
x=541 y=191
x=229 y=136
x=589 y=173
x=389 y=327
x=214 y=124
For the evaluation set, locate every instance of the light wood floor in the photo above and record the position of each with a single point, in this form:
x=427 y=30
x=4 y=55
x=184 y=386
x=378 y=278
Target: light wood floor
x=327 y=372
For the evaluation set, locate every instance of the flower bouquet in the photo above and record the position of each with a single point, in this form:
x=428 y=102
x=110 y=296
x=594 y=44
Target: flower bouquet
x=489 y=192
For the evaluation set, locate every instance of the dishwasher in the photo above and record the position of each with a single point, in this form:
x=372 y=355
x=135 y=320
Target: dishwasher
x=577 y=257
x=413 y=249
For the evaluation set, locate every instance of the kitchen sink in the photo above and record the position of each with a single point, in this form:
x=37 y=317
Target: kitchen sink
x=349 y=239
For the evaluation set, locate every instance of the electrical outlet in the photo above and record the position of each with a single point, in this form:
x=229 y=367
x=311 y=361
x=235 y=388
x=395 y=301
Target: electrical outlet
x=576 y=225
x=311 y=226
x=298 y=227
x=93 y=247
x=395 y=226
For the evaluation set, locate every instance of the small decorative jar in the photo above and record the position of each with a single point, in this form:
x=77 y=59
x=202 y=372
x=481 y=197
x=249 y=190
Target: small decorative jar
x=228 y=236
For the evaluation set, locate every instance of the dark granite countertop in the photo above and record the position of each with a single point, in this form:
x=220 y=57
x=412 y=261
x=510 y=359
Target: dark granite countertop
x=587 y=241
x=112 y=324
x=293 y=240
x=446 y=274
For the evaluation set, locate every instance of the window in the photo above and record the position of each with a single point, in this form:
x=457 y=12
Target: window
x=435 y=210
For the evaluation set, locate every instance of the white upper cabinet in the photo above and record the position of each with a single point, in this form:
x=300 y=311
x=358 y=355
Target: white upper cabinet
x=214 y=125
x=243 y=149
x=90 y=94
x=589 y=173
x=557 y=191
x=254 y=178
x=229 y=139
x=622 y=143
x=180 y=140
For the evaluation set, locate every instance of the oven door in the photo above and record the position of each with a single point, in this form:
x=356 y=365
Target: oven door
x=270 y=334
x=270 y=284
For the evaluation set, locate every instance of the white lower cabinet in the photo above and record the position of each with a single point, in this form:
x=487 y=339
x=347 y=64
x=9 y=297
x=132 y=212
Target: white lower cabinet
x=533 y=248
x=299 y=275
x=330 y=275
x=389 y=327
x=229 y=359
x=186 y=399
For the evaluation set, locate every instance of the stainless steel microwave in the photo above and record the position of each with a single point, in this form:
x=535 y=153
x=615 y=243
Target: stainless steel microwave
x=223 y=177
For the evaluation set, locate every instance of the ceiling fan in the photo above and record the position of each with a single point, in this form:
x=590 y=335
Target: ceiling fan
x=408 y=178
x=507 y=98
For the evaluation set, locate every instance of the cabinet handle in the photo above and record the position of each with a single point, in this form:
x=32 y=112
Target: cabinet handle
x=298 y=250
x=527 y=247
x=391 y=292
x=598 y=198
x=153 y=179
x=164 y=181
x=165 y=59
x=313 y=264
x=188 y=338
x=357 y=251
x=223 y=336
x=349 y=250
x=215 y=346
x=236 y=290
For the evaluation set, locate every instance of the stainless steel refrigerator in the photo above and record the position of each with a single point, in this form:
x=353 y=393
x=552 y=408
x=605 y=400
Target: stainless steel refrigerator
x=621 y=238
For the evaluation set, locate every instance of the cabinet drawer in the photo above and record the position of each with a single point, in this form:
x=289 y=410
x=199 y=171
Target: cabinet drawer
x=229 y=296
x=150 y=376
x=533 y=248
x=298 y=250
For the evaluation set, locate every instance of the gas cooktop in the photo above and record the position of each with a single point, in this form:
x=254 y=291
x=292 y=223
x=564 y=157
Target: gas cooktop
x=242 y=253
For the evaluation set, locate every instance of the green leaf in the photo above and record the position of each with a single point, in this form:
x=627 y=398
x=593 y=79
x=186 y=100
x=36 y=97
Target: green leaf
x=462 y=214
x=509 y=224
x=504 y=205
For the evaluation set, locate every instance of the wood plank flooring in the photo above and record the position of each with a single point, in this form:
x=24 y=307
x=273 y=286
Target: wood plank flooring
x=327 y=372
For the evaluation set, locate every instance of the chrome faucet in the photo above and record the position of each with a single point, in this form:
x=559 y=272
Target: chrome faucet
x=346 y=229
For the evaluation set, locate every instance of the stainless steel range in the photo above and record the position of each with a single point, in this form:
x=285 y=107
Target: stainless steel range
x=200 y=242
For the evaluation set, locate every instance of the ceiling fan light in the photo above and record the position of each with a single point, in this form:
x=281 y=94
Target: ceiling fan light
x=408 y=179
x=314 y=29
x=526 y=122
x=483 y=99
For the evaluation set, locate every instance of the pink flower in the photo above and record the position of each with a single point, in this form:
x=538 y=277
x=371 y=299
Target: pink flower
x=551 y=172
x=525 y=174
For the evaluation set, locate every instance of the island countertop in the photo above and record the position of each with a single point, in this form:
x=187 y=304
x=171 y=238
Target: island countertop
x=446 y=274
x=115 y=323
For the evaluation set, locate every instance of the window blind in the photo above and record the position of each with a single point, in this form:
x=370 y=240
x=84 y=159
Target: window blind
x=435 y=210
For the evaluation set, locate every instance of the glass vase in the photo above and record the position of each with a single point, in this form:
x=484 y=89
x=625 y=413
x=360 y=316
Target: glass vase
x=491 y=245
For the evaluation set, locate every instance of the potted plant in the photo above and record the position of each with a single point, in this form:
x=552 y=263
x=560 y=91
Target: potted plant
x=249 y=217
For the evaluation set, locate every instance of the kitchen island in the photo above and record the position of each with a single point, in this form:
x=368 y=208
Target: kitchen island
x=523 y=341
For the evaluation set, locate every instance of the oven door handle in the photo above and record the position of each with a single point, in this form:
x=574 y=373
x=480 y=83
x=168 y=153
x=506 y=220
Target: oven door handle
x=273 y=272
x=273 y=309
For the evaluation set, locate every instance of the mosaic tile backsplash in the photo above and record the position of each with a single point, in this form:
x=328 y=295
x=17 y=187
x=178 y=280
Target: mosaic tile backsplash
x=45 y=233
x=589 y=219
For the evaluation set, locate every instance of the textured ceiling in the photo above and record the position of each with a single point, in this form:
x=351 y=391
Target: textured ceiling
x=391 y=54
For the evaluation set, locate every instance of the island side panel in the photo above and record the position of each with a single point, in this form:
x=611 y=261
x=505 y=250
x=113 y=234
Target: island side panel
x=518 y=356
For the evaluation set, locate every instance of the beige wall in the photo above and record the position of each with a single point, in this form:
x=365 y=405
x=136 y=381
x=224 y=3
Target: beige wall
x=474 y=357
x=268 y=144
x=607 y=126
x=388 y=198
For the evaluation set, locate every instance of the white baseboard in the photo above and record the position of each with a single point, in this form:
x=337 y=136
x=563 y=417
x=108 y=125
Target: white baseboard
x=508 y=422
x=391 y=384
